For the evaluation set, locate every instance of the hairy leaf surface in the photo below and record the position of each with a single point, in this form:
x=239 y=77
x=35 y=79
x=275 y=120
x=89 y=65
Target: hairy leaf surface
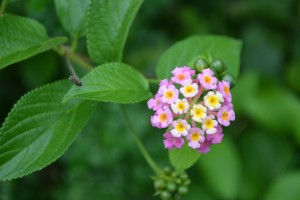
x=39 y=129
x=112 y=82
x=108 y=24
x=22 y=38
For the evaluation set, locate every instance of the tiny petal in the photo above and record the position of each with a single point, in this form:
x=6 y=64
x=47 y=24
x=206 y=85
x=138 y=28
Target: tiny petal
x=162 y=118
x=180 y=74
x=207 y=79
x=225 y=115
x=165 y=82
x=209 y=124
x=180 y=128
x=198 y=112
x=180 y=106
x=205 y=147
x=169 y=93
x=189 y=89
x=170 y=141
x=224 y=89
x=217 y=137
x=213 y=100
x=195 y=137
x=155 y=103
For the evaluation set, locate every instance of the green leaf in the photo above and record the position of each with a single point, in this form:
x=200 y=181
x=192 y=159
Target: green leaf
x=21 y=38
x=72 y=15
x=108 y=24
x=39 y=129
x=221 y=169
x=112 y=82
x=183 y=158
x=285 y=187
x=185 y=51
x=264 y=101
x=266 y=155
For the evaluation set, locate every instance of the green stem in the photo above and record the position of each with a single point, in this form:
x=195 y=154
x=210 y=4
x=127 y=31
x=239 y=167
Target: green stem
x=66 y=51
x=3 y=6
x=155 y=81
x=139 y=143
x=74 y=42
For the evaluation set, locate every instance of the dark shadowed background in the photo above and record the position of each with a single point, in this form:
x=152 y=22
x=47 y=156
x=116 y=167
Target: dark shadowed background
x=259 y=157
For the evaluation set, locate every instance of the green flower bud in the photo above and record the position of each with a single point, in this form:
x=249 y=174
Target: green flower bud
x=174 y=174
x=182 y=190
x=159 y=184
x=218 y=66
x=184 y=176
x=200 y=64
x=167 y=170
x=171 y=186
x=186 y=182
x=178 y=181
x=165 y=195
x=230 y=79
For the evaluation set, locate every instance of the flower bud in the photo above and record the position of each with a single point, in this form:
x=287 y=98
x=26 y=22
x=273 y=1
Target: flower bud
x=167 y=170
x=230 y=79
x=184 y=177
x=159 y=184
x=182 y=190
x=171 y=186
x=200 y=64
x=218 y=66
x=165 y=195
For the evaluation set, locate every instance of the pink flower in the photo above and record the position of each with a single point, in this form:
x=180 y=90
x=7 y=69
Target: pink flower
x=207 y=79
x=228 y=104
x=162 y=118
x=225 y=115
x=193 y=110
x=195 y=137
x=205 y=147
x=170 y=141
x=217 y=137
x=224 y=88
x=169 y=93
x=181 y=74
x=155 y=103
x=165 y=82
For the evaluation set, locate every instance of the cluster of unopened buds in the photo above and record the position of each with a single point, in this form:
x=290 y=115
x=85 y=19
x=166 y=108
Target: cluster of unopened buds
x=193 y=107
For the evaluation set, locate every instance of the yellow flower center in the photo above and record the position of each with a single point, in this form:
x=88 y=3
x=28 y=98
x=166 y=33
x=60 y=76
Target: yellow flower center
x=226 y=90
x=189 y=89
x=209 y=124
x=225 y=116
x=207 y=79
x=195 y=136
x=198 y=112
x=213 y=100
x=180 y=106
x=180 y=127
x=169 y=94
x=180 y=76
x=163 y=117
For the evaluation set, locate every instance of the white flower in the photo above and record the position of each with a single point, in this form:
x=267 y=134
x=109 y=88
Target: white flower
x=180 y=128
x=209 y=125
x=180 y=106
x=189 y=89
x=198 y=112
x=213 y=100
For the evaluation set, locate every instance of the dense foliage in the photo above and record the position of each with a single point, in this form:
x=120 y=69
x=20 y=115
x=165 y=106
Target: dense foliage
x=259 y=155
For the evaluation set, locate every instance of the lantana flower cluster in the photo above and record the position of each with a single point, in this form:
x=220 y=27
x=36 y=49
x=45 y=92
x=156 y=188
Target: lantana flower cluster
x=193 y=107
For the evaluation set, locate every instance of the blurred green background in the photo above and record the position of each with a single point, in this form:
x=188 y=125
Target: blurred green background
x=259 y=156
